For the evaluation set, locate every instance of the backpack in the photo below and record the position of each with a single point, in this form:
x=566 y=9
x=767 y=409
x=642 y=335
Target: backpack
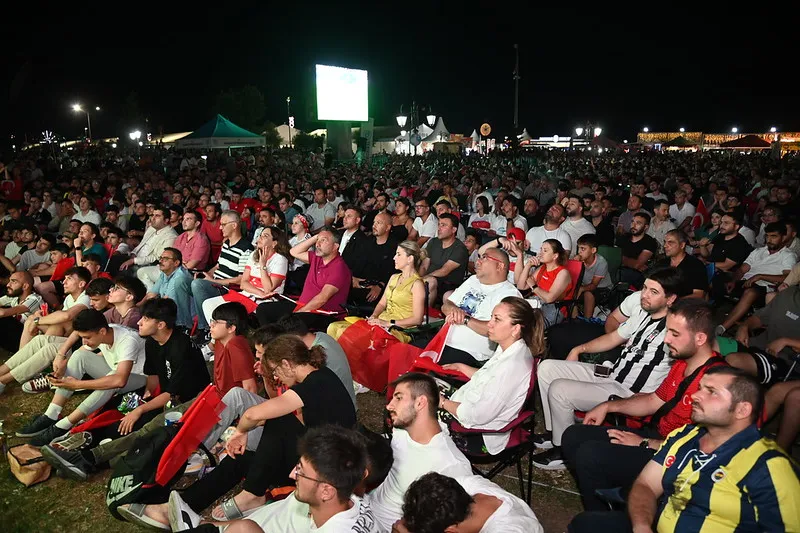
x=133 y=479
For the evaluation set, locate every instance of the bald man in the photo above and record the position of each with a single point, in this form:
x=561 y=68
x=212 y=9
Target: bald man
x=16 y=305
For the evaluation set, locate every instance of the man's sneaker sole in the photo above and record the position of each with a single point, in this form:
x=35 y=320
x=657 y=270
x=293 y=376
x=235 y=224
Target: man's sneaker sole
x=546 y=445
x=22 y=435
x=551 y=466
x=68 y=470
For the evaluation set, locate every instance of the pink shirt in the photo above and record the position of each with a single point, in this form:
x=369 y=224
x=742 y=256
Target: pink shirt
x=334 y=273
x=196 y=249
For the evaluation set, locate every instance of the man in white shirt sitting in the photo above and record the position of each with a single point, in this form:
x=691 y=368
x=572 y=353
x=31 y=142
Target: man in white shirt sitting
x=660 y=224
x=508 y=218
x=158 y=236
x=333 y=461
x=425 y=225
x=681 y=212
x=419 y=445
x=16 y=306
x=575 y=225
x=551 y=230
x=469 y=504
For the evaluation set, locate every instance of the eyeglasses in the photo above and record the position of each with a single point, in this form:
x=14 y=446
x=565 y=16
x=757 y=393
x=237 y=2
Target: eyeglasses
x=222 y=224
x=120 y=288
x=484 y=257
x=298 y=473
x=214 y=322
x=161 y=259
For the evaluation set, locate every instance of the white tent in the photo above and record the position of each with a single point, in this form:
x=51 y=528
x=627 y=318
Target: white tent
x=524 y=136
x=438 y=133
x=476 y=138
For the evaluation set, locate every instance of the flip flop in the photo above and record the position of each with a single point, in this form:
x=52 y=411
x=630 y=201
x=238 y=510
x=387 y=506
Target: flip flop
x=231 y=511
x=134 y=513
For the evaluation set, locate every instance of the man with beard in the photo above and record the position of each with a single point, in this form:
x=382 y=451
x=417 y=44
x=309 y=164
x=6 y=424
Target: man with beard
x=575 y=225
x=15 y=307
x=718 y=473
x=763 y=270
x=602 y=227
x=643 y=364
x=637 y=249
x=551 y=230
x=418 y=444
x=605 y=458
x=727 y=251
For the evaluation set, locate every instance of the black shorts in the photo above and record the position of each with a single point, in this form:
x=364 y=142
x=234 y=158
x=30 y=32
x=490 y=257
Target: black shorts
x=762 y=294
x=771 y=369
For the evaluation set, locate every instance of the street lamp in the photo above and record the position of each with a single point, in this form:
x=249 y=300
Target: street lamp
x=578 y=132
x=291 y=120
x=682 y=130
x=413 y=118
x=734 y=130
x=401 y=120
x=431 y=119
x=598 y=131
x=135 y=135
x=773 y=129
x=645 y=129
x=78 y=108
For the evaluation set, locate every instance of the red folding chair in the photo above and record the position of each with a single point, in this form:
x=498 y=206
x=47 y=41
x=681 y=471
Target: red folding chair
x=567 y=303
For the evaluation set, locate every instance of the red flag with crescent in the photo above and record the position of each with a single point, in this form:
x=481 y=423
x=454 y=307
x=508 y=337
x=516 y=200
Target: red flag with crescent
x=701 y=215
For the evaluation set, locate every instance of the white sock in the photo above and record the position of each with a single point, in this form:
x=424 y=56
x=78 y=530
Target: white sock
x=64 y=423
x=53 y=411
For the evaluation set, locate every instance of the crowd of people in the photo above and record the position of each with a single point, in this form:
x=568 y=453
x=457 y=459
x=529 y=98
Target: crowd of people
x=653 y=297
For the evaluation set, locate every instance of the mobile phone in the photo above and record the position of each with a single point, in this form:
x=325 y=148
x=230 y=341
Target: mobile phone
x=602 y=371
x=44 y=308
x=530 y=252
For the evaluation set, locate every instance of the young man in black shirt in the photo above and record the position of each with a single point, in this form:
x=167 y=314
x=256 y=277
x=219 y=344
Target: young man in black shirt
x=694 y=271
x=637 y=250
x=727 y=251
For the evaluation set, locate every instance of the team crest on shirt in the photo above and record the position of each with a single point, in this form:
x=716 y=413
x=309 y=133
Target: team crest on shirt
x=670 y=461
x=718 y=475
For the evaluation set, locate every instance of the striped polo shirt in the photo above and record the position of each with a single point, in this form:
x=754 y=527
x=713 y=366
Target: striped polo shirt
x=233 y=259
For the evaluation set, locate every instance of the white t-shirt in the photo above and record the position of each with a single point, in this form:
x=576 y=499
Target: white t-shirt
x=576 y=230
x=763 y=262
x=128 y=346
x=292 y=243
x=411 y=461
x=749 y=235
x=69 y=301
x=277 y=265
x=32 y=302
x=536 y=236
x=319 y=214
x=500 y=224
x=481 y=222
x=680 y=214
x=427 y=228
x=292 y=516
x=478 y=301
x=513 y=516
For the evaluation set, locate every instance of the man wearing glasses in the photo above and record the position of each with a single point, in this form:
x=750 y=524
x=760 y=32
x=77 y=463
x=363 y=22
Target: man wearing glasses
x=425 y=225
x=174 y=282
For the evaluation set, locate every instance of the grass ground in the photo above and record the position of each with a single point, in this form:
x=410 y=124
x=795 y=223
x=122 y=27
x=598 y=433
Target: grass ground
x=62 y=505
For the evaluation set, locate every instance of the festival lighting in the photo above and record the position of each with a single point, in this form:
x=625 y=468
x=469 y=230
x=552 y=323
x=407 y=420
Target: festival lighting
x=773 y=129
x=682 y=130
x=578 y=131
x=645 y=129
x=734 y=130
x=598 y=131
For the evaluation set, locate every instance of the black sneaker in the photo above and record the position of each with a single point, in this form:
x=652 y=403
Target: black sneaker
x=71 y=464
x=72 y=442
x=201 y=338
x=550 y=460
x=36 y=426
x=542 y=441
x=47 y=436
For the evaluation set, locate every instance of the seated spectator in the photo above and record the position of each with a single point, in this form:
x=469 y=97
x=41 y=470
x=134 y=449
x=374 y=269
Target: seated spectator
x=98 y=290
x=24 y=241
x=682 y=211
x=119 y=370
x=227 y=272
x=473 y=243
x=124 y=297
x=575 y=225
x=792 y=241
x=159 y=235
x=94 y=264
x=112 y=216
x=322 y=211
x=638 y=248
x=765 y=496
x=626 y=219
x=469 y=308
x=326 y=287
x=87 y=242
x=481 y=219
x=212 y=228
x=174 y=282
x=518 y=330
x=16 y=306
x=425 y=224
x=176 y=218
x=727 y=251
x=369 y=257
x=402 y=221
x=192 y=244
x=85 y=212
x=436 y=502
x=263 y=276
x=768 y=355
x=606 y=458
x=694 y=272
x=332 y=464
x=443 y=207
x=551 y=230
x=446 y=265
x=42 y=336
x=708 y=231
x=266 y=218
x=596 y=280
x=785 y=394
x=298 y=270
x=660 y=224
x=763 y=270
x=38 y=256
x=569 y=385
x=548 y=279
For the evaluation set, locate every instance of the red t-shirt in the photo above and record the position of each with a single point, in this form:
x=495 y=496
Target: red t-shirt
x=214 y=233
x=680 y=415
x=233 y=364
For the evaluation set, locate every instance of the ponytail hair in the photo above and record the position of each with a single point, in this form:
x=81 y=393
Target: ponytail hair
x=295 y=351
x=558 y=249
x=530 y=321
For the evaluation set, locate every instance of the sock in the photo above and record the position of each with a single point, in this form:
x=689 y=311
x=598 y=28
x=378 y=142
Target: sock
x=2 y=387
x=64 y=423
x=53 y=411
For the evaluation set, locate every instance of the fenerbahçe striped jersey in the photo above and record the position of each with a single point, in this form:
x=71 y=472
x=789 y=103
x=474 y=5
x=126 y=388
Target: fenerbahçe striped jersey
x=746 y=484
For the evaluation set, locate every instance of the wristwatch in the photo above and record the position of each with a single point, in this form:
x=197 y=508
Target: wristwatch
x=393 y=321
x=645 y=443
x=466 y=319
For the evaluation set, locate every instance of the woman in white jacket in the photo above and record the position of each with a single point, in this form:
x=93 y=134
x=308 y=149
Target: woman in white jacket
x=495 y=393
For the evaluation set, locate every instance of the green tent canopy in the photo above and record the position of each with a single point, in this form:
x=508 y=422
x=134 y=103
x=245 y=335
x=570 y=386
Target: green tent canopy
x=220 y=132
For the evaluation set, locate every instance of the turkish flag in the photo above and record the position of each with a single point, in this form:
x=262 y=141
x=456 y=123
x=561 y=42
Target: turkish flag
x=701 y=215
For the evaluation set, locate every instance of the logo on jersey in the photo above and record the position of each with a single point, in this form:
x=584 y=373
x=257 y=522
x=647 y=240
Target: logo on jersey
x=670 y=461
x=718 y=475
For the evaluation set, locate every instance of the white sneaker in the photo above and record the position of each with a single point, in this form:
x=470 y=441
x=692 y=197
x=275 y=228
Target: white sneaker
x=195 y=464
x=359 y=388
x=181 y=516
x=208 y=351
x=36 y=385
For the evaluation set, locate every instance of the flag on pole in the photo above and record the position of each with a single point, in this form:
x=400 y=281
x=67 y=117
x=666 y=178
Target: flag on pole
x=701 y=215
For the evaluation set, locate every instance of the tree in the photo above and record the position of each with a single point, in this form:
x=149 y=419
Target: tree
x=244 y=107
x=271 y=135
x=306 y=142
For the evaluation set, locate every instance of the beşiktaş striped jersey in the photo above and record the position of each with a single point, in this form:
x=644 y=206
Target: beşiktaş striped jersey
x=233 y=259
x=645 y=361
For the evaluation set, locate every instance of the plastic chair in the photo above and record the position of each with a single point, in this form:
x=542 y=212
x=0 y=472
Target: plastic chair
x=613 y=257
x=567 y=304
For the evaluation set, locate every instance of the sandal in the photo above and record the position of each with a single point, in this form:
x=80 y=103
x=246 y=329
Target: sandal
x=231 y=511
x=134 y=513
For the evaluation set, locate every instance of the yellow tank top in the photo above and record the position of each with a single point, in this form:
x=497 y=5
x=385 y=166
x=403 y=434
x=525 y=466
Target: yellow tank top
x=398 y=298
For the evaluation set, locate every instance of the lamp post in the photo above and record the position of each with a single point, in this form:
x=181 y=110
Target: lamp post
x=135 y=136
x=290 y=121
x=78 y=108
x=402 y=119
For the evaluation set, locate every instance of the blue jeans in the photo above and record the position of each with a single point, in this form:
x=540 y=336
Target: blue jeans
x=202 y=290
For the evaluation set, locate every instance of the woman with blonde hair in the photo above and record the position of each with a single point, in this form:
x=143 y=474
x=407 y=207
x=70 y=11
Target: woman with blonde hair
x=547 y=277
x=518 y=330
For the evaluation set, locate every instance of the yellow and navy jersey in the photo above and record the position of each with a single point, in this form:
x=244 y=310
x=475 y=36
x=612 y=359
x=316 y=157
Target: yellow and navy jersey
x=747 y=484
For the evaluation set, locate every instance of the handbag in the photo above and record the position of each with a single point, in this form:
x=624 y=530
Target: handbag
x=28 y=465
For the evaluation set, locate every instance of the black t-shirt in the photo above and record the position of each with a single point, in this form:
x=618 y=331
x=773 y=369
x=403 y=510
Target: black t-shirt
x=735 y=249
x=694 y=273
x=604 y=233
x=632 y=250
x=137 y=224
x=180 y=367
x=455 y=252
x=381 y=259
x=325 y=401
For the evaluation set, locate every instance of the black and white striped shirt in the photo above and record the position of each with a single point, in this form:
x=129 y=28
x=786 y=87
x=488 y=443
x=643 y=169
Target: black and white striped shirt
x=645 y=361
x=233 y=259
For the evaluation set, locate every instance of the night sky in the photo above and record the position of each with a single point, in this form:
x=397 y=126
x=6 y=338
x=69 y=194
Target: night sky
x=702 y=68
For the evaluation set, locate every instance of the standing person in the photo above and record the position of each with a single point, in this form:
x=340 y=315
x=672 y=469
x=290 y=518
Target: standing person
x=718 y=472
x=228 y=270
x=446 y=264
